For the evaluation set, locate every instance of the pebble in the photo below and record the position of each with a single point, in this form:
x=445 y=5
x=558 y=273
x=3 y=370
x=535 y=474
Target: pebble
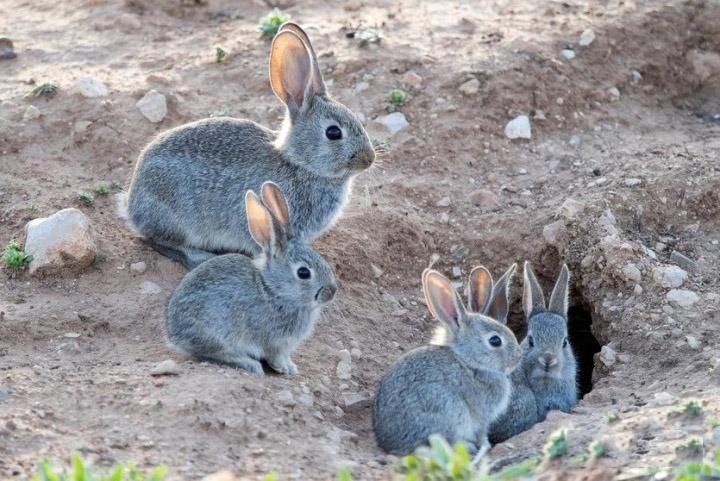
x=635 y=77
x=394 y=122
x=631 y=273
x=344 y=366
x=444 y=202
x=682 y=297
x=519 y=128
x=570 y=209
x=62 y=240
x=138 y=267
x=286 y=398
x=4 y=393
x=153 y=106
x=568 y=53
x=361 y=87
x=663 y=399
x=608 y=356
x=613 y=94
x=7 y=49
x=638 y=289
x=150 y=288
x=31 y=113
x=377 y=271
x=306 y=399
x=669 y=276
x=632 y=182
x=456 y=272
x=485 y=199
x=168 y=367
x=586 y=38
x=90 y=87
x=471 y=87
x=352 y=398
x=693 y=342
x=413 y=79
x=554 y=233
x=71 y=335
x=684 y=261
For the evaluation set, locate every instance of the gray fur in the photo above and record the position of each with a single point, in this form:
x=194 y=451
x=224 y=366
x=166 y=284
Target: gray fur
x=455 y=389
x=537 y=386
x=239 y=311
x=188 y=187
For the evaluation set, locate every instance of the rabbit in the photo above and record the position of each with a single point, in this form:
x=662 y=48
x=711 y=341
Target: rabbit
x=188 y=188
x=545 y=379
x=454 y=387
x=239 y=311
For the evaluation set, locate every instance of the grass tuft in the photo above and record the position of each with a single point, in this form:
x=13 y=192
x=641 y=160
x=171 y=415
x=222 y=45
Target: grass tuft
x=45 y=89
x=80 y=470
x=14 y=257
x=397 y=97
x=86 y=197
x=557 y=445
x=220 y=53
x=270 y=23
x=102 y=189
x=692 y=408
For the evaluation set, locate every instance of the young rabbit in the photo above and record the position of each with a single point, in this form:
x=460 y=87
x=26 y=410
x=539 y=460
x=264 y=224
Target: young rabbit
x=239 y=311
x=187 y=193
x=455 y=388
x=545 y=379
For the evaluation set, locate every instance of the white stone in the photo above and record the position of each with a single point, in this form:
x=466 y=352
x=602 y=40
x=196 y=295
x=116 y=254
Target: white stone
x=682 y=297
x=138 y=267
x=568 y=53
x=693 y=342
x=90 y=87
x=444 y=202
x=613 y=94
x=153 y=106
x=351 y=398
x=306 y=399
x=168 y=367
x=286 y=398
x=554 y=233
x=63 y=240
x=31 y=113
x=570 y=209
x=456 y=272
x=471 y=87
x=669 y=276
x=377 y=271
x=663 y=399
x=150 y=288
x=632 y=182
x=71 y=335
x=393 y=122
x=586 y=38
x=608 y=356
x=519 y=128
x=344 y=366
x=631 y=272
x=361 y=87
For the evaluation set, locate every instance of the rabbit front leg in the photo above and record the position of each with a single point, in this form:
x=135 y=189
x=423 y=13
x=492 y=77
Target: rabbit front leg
x=280 y=362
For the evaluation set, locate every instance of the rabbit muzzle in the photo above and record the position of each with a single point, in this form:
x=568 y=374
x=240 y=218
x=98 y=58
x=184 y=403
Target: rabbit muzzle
x=362 y=160
x=547 y=361
x=325 y=294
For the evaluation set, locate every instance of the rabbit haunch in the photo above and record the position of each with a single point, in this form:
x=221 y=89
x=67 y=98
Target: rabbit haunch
x=188 y=190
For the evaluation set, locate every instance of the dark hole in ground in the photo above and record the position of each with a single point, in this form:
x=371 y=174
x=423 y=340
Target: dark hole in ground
x=584 y=345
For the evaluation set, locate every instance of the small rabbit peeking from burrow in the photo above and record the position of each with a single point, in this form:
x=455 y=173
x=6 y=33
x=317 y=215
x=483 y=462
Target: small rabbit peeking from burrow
x=455 y=387
x=241 y=311
x=187 y=194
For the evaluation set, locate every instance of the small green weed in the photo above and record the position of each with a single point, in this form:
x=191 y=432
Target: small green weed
x=33 y=207
x=397 y=97
x=692 y=408
x=81 y=471
x=14 y=257
x=220 y=53
x=115 y=185
x=694 y=447
x=99 y=259
x=270 y=23
x=612 y=417
x=597 y=449
x=45 y=89
x=86 y=197
x=700 y=470
x=344 y=475
x=102 y=189
x=557 y=445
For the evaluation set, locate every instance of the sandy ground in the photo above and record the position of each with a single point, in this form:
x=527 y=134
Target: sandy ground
x=94 y=393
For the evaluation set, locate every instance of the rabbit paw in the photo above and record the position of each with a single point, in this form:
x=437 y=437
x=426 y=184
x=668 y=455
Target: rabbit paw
x=283 y=365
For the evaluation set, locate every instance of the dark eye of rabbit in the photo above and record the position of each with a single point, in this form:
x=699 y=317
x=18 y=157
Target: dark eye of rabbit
x=495 y=341
x=531 y=342
x=333 y=132
x=303 y=273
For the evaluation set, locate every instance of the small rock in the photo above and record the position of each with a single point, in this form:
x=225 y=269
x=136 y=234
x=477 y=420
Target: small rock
x=663 y=399
x=81 y=126
x=377 y=271
x=570 y=209
x=456 y=272
x=555 y=233
x=153 y=106
x=361 y=87
x=693 y=342
x=394 y=122
x=90 y=87
x=632 y=273
x=138 y=267
x=568 y=53
x=7 y=50
x=638 y=290
x=682 y=297
x=168 y=367
x=518 y=128
x=669 y=276
x=306 y=399
x=344 y=366
x=471 y=87
x=613 y=94
x=71 y=335
x=608 y=356
x=632 y=182
x=4 y=394
x=586 y=38
x=412 y=79
x=444 y=202
x=286 y=398
x=150 y=288
x=352 y=398
x=31 y=113
x=635 y=77
x=684 y=261
x=63 y=240
x=485 y=199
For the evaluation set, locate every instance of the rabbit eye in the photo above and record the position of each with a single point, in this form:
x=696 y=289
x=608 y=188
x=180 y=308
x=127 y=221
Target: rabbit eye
x=565 y=342
x=495 y=341
x=531 y=341
x=303 y=273
x=333 y=132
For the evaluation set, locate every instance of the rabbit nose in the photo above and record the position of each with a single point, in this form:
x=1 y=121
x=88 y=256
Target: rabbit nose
x=364 y=158
x=547 y=360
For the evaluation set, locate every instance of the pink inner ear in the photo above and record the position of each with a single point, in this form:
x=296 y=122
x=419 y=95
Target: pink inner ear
x=296 y=72
x=443 y=298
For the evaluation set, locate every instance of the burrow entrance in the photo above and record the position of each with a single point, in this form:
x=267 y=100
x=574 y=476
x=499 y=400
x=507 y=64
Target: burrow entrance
x=584 y=344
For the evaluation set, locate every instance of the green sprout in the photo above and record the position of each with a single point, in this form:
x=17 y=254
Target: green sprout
x=557 y=445
x=86 y=197
x=694 y=447
x=14 y=256
x=101 y=189
x=220 y=53
x=270 y=23
x=692 y=408
x=45 y=89
x=33 y=208
x=612 y=417
x=99 y=259
x=115 y=185
x=82 y=471
x=597 y=449
x=397 y=97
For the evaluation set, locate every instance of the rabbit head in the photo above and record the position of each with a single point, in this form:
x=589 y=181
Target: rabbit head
x=292 y=272
x=476 y=339
x=318 y=133
x=547 y=354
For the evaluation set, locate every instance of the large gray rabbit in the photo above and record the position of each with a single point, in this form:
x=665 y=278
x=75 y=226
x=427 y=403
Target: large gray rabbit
x=187 y=193
x=240 y=311
x=455 y=387
x=545 y=379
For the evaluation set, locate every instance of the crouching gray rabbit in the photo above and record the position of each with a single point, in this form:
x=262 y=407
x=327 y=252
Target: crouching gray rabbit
x=240 y=311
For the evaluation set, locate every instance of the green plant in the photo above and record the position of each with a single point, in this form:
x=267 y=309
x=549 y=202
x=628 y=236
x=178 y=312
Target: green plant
x=692 y=408
x=99 y=259
x=101 y=189
x=597 y=449
x=220 y=53
x=612 y=417
x=272 y=476
x=557 y=445
x=694 y=447
x=81 y=471
x=700 y=470
x=14 y=256
x=115 y=185
x=45 y=89
x=715 y=422
x=270 y=23
x=86 y=197
x=33 y=208
x=344 y=475
x=397 y=97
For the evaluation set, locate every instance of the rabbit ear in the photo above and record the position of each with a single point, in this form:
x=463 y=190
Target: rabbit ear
x=559 y=296
x=317 y=79
x=499 y=302
x=290 y=70
x=259 y=221
x=442 y=299
x=274 y=200
x=480 y=287
x=533 y=297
